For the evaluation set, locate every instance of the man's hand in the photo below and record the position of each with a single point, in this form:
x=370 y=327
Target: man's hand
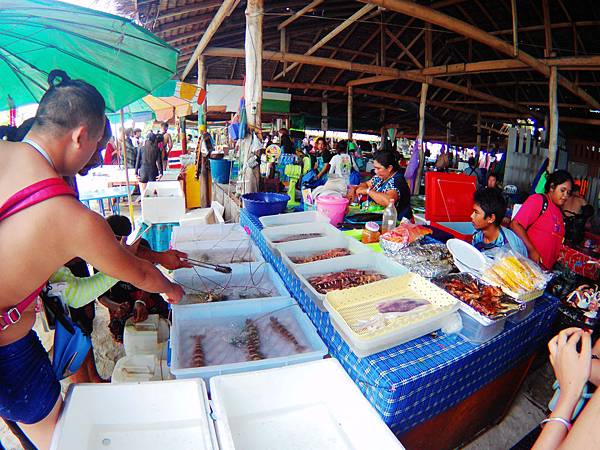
x=140 y=312
x=173 y=260
x=535 y=256
x=175 y=294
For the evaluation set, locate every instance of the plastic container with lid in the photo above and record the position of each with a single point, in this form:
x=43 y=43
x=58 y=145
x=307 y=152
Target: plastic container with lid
x=370 y=233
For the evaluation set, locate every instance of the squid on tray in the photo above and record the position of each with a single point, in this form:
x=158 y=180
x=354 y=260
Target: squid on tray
x=346 y=279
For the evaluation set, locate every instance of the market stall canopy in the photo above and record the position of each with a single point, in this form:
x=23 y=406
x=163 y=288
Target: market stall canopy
x=171 y=99
x=121 y=59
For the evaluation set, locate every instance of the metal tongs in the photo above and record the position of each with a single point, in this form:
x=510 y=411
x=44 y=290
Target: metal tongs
x=207 y=265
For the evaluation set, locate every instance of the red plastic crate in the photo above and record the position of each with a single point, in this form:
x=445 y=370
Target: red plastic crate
x=449 y=197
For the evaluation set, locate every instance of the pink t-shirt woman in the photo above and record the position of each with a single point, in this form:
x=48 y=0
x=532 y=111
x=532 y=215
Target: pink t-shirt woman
x=543 y=230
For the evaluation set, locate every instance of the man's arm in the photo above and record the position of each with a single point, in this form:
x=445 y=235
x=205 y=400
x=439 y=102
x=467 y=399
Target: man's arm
x=91 y=238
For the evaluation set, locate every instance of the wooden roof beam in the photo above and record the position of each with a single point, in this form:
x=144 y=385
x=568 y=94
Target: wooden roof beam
x=329 y=36
x=460 y=27
x=402 y=47
x=223 y=12
x=376 y=70
x=308 y=8
x=203 y=5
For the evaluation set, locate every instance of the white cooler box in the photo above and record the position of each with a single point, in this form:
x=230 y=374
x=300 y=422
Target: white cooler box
x=248 y=411
x=162 y=202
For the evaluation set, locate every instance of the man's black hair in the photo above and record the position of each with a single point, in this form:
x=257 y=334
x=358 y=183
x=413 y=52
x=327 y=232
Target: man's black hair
x=68 y=104
x=491 y=202
x=120 y=225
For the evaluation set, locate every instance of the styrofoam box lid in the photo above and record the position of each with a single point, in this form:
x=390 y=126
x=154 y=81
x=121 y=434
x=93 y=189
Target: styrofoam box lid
x=212 y=232
x=154 y=415
x=293 y=218
x=164 y=187
x=312 y=405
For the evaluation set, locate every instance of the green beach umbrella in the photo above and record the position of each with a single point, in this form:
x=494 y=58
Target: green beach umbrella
x=121 y=59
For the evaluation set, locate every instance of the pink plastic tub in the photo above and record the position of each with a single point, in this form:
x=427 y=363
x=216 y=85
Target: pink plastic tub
x=332 y=207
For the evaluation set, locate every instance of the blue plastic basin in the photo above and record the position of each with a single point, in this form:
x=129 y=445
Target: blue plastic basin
x=265 y=203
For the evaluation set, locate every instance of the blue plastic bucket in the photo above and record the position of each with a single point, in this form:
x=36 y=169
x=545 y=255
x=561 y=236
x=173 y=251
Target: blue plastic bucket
x=265 y=203
x=219 y=170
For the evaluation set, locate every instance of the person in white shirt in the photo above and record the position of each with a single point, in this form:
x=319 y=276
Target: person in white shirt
x=342 y=163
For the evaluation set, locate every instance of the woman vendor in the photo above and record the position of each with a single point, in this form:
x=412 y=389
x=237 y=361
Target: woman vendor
x=539 y=223
x=387 y=186
x=322 y=158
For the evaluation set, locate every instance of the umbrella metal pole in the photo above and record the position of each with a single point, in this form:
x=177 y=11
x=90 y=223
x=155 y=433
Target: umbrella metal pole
x=127 y=171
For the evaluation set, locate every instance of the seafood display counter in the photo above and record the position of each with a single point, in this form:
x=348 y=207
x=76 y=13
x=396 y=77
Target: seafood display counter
x=413 y=382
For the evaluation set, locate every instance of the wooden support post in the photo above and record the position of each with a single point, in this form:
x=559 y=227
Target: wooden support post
x=420 y=136
x=324 y=114
x=547 y=29
x=553 y=107
x=478 y=144
x=515 y=28
x=448 y=135
x=202 y=160
x=350 y=94
x=283 y=46
x=124 y=150
x=253 y=90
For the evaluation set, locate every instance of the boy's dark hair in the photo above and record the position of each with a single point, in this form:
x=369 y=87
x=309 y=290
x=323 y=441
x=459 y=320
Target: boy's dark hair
x=491 y=202
x=68 y=104
x=120 y=225
x=342 y=146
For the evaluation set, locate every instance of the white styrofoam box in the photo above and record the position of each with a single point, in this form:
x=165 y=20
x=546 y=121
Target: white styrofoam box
x=295 y=249
x=524 y=314
x=198 y=216
x=293 y=218
x=189 y=319
x=167 y=206
x=314 y=406
x=136 y=368
x=246 y=281
x=364 y=261
x=147 y=337
x=156 y=415
x=324 y=229
x=222 y=252
x=212 y=232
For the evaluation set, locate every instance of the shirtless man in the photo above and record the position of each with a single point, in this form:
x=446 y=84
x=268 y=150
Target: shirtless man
x=168 y=141
x=575 y=203
x=38 y=239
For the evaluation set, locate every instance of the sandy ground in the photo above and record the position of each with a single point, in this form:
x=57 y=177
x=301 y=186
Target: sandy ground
x=106 y=351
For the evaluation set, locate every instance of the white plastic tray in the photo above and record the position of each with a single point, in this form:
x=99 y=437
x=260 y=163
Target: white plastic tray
x=254 y=281
x=212 y=232
x=312 y=406
x=293 y=218
x=309 y=247
x=366 y=261
x=359 y=301
x=155 y=415
x=222 y=252
x=192 y=319
x=284 y=231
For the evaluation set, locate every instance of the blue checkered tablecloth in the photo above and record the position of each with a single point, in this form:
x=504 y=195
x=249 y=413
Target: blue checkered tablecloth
x=415 y=381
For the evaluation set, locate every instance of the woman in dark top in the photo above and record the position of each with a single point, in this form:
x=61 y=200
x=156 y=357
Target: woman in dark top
x=148 y=164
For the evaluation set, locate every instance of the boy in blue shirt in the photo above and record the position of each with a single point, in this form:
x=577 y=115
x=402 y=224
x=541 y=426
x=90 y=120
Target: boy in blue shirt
x=489 y=209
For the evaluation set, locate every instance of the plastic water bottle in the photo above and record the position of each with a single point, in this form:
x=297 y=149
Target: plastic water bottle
x=390 y=216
